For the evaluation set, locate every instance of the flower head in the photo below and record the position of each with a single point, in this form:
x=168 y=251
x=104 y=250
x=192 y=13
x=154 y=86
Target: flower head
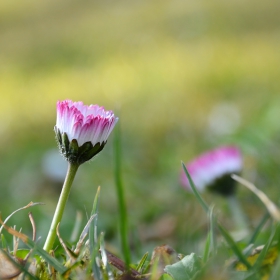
x=213 y=169
x=82 y=131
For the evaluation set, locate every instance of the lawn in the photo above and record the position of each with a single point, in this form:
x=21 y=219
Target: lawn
x=183 y=77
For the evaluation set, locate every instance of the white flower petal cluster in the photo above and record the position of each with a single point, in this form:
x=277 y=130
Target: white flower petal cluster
x=84 y=123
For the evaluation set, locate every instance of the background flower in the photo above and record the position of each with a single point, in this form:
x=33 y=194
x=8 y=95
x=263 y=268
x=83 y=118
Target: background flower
x=213 y=169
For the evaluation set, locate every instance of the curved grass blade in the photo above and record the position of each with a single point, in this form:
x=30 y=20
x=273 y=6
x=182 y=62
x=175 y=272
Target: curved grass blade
x=195 y=191
x=271 y=207
x=233 y=246
x=259 y=227
x=30 y=204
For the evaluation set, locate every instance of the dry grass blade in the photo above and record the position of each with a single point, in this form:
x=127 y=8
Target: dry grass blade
x=63 y=244
x=30 y=204
x=33 y=226
x=271 y=207
x=13 y=232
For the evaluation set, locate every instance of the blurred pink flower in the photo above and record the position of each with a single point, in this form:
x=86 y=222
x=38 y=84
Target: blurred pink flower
x=213 y=168
x=78 y=124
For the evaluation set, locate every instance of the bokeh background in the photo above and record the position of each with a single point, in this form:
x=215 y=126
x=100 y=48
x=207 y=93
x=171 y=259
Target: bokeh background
x=183 y=76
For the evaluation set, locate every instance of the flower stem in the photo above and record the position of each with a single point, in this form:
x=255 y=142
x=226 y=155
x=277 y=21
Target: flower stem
x=72 y=170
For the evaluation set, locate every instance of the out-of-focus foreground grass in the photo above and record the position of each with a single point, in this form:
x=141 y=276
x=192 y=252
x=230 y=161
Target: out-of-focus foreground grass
x=183 y=76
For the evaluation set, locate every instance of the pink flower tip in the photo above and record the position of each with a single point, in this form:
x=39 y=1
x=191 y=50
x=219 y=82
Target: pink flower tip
x=213 y=165
x=84 y=123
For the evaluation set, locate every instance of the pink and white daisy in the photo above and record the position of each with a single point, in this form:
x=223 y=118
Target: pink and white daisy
x=78 y=124
x=213 y=169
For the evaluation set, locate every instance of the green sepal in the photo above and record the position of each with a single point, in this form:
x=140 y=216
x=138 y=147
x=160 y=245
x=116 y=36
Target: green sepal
x=89 y=153
x=58 y=135
x=71 y=150
x=65 y=143
x=85 y=148
x=72 y=154
x=74 y=147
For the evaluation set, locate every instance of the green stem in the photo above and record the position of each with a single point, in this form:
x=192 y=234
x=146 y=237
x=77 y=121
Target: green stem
x=237 y=213
x=72 y=170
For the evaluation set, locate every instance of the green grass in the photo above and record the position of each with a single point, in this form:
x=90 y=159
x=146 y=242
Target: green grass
x=164 y=66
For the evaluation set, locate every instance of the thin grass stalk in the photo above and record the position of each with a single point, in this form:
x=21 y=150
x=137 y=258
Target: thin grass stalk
x=276 y=271
x=274 y=236
x=120 y=195
x=93 y=240
x=105 y=258
x=259 y=227
x=207 y=248
x=195 y=191
x=230 y=241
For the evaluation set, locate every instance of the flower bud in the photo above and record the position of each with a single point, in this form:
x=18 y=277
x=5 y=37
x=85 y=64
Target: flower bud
x=82 y=131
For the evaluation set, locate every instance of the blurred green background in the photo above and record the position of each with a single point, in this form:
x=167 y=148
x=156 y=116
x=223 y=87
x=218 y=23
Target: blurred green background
x=183 y=76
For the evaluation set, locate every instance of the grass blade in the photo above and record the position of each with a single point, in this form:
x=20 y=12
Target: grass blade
x=195 y=191
x=93 y=240
x=3 y=243
x=259 y=227
x=262 y=255
x=207 y=249
x=105 y=258
x=94 y=211
x=121 y=200
x=210 y=244
x=141 y=264
x=233 y=246
x=83 y=235
x=276 y=271
x=271 y=207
